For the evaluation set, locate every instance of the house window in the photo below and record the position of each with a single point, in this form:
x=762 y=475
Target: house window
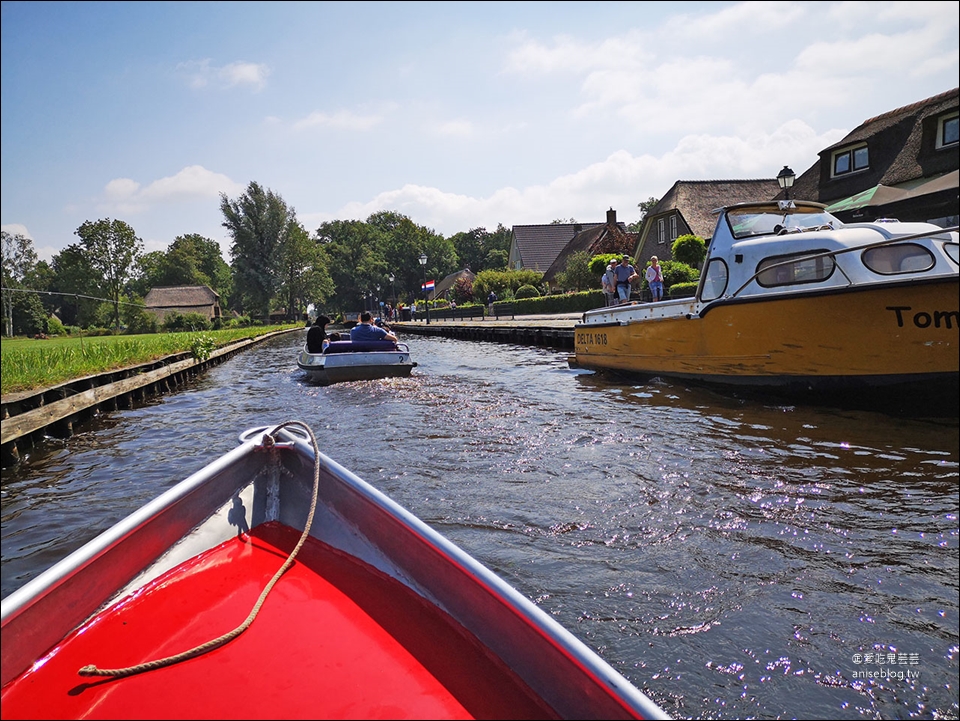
x=661 y=231
x=673 y=227
x=850 y=160
x=947 y=131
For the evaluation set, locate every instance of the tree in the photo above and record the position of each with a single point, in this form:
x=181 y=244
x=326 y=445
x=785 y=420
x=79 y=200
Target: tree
x=462 y=290
x=258 y=222
x=577 y=275
x=689 y=249
x=351 y=251
x=73 y=275
x=496 y=259
x=19 y=262
x=305 y=275
x=112 y=249
x=645 y=207
x=189 y=260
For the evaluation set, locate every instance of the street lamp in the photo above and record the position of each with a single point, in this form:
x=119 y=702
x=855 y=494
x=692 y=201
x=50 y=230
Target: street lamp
x=423 y=264
x=392 y=283
x=786 y=177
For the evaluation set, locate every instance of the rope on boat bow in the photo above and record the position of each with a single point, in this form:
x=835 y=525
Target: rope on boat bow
x=269 y=440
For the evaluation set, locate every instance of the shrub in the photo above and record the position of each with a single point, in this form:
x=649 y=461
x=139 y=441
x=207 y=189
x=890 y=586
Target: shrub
x=689 y=249
x=526 y=291
x=55 y=327
x=673 y=273
x=202 y=346
x=176 y=322
x=683 y=290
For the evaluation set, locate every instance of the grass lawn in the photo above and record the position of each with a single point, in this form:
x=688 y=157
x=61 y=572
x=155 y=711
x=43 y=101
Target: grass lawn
x=30 y=364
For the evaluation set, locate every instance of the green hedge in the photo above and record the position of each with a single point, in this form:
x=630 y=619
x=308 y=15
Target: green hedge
x=560 y=303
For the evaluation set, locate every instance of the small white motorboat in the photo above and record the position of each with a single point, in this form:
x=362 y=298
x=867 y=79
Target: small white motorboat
x=346 y=360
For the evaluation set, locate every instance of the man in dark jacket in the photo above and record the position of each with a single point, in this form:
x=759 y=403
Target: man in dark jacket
x=317 y=334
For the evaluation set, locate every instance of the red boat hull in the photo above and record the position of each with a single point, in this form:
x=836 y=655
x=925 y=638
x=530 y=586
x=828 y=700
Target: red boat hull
x=362 y=646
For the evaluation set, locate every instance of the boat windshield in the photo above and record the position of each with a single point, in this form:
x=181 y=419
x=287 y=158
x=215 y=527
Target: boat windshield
x=748 y=222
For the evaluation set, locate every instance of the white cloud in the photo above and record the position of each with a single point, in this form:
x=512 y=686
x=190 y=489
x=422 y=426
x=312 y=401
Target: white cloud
x=342 y=119
x=125 y=197
x=621 y=181
x=240 y=73
x=44 y=252
x=16 y=229
x=201 y=73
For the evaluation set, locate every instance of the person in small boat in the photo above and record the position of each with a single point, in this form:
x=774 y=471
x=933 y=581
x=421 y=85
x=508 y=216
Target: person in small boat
x=332 y=338
x=366 y=330
x=626 y=274
x=317 y=334
x=655 y=278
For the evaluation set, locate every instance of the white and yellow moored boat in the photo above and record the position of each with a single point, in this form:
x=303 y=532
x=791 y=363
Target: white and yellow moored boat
x=793 y=300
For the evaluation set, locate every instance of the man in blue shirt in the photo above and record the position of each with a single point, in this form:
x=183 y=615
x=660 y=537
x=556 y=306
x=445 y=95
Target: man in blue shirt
x=625 y=274
x=366 y=330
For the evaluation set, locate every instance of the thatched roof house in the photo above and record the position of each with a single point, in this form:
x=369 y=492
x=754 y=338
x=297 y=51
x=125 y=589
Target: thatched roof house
x=912 y=151
x=183 y=299
x=687 y=209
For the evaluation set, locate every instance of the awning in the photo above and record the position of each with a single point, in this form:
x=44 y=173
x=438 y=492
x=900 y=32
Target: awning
x=872 y=197
x=922 y=192
x=927 y=186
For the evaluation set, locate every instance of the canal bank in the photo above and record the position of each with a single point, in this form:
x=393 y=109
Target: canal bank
x=551 y=331
x=30 y=415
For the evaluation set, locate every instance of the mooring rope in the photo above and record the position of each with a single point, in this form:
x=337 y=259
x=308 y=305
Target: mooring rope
x=269 y=441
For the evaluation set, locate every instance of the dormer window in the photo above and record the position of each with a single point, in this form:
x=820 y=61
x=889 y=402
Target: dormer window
x=947 y=131
x=850 y=160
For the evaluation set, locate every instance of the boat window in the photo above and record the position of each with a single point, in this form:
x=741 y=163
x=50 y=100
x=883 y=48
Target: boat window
x=899 y=258
x=748 y=222
x=953 y=251
x=714 y=280
x=808 y=267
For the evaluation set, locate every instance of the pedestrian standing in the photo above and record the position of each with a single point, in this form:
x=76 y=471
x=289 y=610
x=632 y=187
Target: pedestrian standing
x=655 y=279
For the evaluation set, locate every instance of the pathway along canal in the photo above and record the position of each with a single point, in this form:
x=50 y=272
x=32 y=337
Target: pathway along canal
x=733 y=559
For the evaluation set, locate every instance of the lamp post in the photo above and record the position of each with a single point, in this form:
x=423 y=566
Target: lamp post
x=785 y=178
x=423 y=265
x=394 y=285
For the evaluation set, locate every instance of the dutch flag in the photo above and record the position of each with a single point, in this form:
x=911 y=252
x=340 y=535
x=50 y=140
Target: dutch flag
x=428 y=286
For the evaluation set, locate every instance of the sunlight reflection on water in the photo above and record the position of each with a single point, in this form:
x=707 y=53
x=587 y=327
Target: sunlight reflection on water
x=729 y=557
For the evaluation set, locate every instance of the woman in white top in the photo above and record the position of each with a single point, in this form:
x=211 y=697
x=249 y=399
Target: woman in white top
x=655 y=279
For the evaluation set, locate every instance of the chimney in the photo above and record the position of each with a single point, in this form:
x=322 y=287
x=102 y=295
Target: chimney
x=612 y=218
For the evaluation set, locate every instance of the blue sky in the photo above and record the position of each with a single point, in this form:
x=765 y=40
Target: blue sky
x=458 y=115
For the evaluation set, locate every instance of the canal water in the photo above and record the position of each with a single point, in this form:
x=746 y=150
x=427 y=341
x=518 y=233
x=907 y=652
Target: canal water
x=733 y=559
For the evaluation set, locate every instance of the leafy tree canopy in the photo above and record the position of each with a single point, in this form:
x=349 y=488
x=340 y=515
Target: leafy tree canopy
x=112 y=249
x=689 y=249
x=258 y=222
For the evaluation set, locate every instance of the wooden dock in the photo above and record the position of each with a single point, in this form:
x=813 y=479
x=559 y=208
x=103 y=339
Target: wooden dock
x=552 y=331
